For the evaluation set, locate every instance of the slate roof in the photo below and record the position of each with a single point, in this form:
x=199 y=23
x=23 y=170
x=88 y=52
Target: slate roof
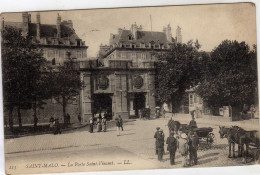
x=144 y=37
x=48 y=31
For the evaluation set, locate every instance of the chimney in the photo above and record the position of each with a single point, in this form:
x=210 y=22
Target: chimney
x=58 y=26
x=119 y=30
x=70 y=24
x=38 y=27
x=134 y=30
x=25 y=24
x=169 y=33
x=178 y=35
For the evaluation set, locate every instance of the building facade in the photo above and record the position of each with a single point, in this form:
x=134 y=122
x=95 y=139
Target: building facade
x=55 y=41
x=125 y=81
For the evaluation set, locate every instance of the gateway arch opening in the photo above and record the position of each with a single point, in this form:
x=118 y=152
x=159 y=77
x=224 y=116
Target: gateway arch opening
x=103 y=104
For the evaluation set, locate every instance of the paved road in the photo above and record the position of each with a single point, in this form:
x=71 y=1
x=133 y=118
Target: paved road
x=134 y=149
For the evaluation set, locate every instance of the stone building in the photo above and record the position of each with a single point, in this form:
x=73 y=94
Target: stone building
x=124 y=83
x=55 y=40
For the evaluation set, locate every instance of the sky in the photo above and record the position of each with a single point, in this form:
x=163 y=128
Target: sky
x=210 y=24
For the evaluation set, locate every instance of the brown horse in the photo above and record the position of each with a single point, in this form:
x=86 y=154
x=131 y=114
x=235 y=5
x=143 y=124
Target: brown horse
x=174 y=126
x=241 y=137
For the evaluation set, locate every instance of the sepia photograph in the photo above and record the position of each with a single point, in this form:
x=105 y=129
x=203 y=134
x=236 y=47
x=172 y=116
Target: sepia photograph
x=133 y=88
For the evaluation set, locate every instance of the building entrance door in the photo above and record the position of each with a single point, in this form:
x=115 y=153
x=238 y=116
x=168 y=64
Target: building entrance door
x=138 y=103
x=103 y=104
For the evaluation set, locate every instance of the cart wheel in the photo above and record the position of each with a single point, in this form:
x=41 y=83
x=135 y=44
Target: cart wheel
x=211 y=139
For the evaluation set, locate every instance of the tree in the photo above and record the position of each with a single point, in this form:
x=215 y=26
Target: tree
x=21 y=63
x=177 y=70
x=67 y=84
x=231 y=76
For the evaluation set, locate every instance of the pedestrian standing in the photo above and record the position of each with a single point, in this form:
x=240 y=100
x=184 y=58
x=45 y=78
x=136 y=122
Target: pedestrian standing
x=160 y=145
x=51 y=122
x=172 y=147
x=104 y=123
x=79 y=118
x=91 y=124
x=99 y=126
x=252 y=111
x=193 y=123
x=121 y=123
x=193 y=147
x=183 y=148
x=118 y=125
x=57 y=127
x=156 y=140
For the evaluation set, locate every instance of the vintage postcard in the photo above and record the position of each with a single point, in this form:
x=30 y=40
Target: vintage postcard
x=130 y=88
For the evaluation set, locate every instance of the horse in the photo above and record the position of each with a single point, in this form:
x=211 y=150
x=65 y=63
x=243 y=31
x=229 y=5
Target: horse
x=232 y=137
x=174 y=126
x=237 y=135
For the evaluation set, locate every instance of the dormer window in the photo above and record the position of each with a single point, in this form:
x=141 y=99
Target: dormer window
x=130 y=37
x=78 y=43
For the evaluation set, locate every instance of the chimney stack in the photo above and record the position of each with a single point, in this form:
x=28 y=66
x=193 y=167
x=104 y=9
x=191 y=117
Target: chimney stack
x=38 y=27
x=58 y=26
x=70 y=24
x=178 y=35
x=169 y=33
x=134 y=29
x=25 y=24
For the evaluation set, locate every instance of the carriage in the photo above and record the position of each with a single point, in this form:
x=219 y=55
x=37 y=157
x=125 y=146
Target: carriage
x=205 y=134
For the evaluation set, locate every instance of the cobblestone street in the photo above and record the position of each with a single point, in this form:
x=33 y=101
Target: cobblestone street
x=134 y=149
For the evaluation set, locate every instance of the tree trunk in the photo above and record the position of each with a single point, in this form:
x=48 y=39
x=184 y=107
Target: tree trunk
x=64 y=105
x=11 y=122
x=35 y=119
x=19 y=116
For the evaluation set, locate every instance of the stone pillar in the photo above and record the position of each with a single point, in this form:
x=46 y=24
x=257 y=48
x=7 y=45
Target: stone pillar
x=150 y=96
x=121 y=105
x=86 y=106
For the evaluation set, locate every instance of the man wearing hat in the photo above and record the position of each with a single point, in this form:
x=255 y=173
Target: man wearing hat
x=183 y=148
x=193 y=147
x=172 y=147
x=156 y=140
x=193 y=123
x=160 y=138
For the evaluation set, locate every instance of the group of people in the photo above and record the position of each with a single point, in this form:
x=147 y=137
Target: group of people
x=187 y=145
x=101 y=123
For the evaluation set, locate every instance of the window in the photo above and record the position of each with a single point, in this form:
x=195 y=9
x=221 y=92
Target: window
x=133 y=55
x=195 y=99
x=78 y=43
x=53 y=62
x=61 y=53
x=143 y=56
x=79 y=55
x=44 y=53
x=191 y=99
x=123 y=55
x=130 y=37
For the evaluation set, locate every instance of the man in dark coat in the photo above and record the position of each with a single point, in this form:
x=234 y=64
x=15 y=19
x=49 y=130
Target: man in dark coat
x=193 y=147
x=57 y=127
x=160 y=145
x=193 y=124
x=172 y=147
x=91 y=124
x=171 y=125
x=156 y=140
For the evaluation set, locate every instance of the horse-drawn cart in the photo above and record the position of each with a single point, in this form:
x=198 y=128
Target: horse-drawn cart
x=206 y=135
